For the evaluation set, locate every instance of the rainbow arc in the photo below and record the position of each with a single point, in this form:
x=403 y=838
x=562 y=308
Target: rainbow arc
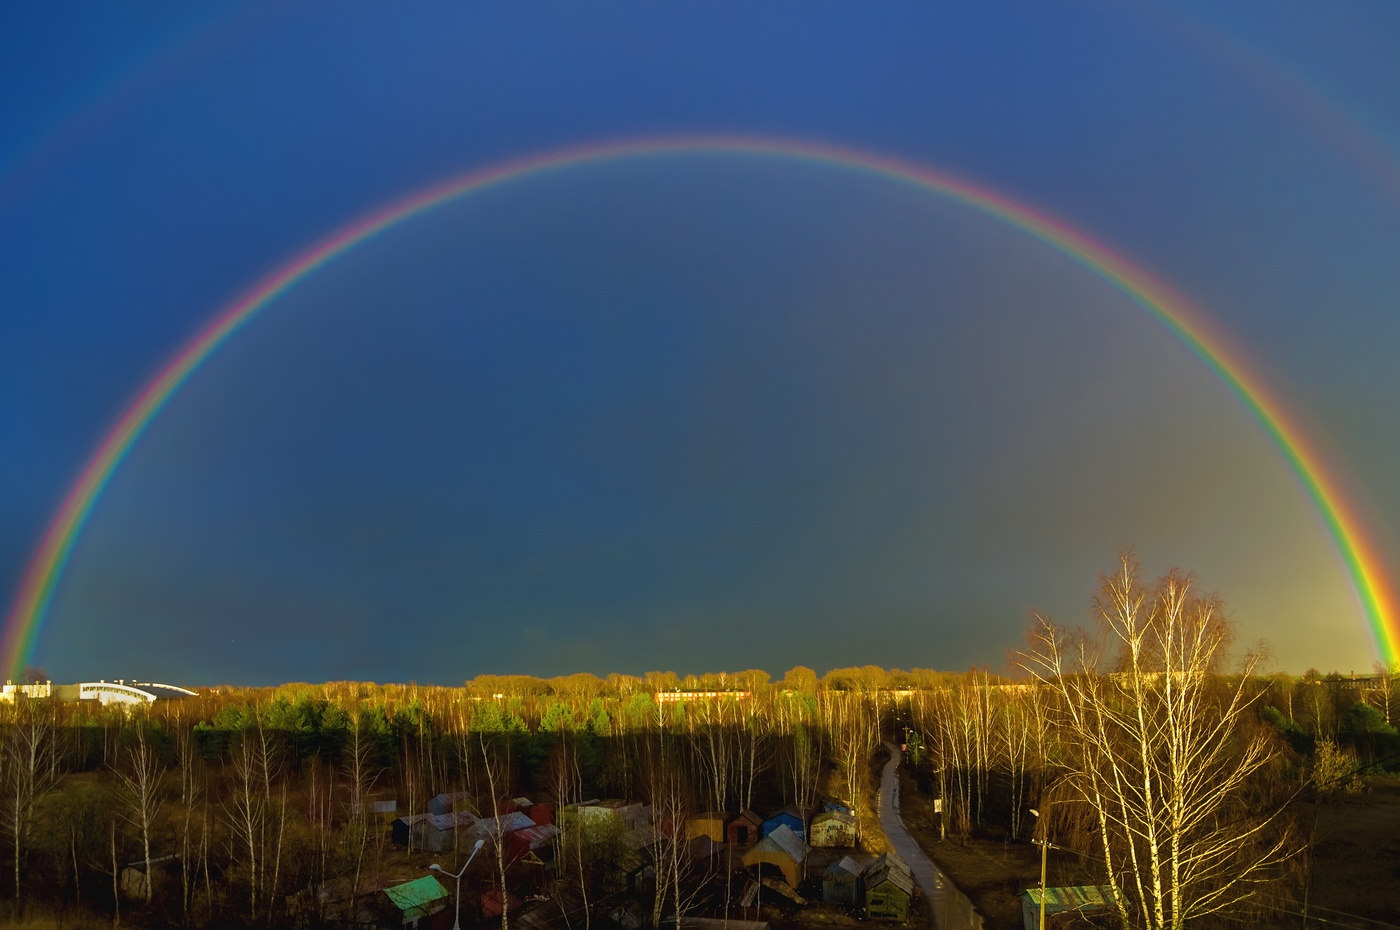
x=1184 y=321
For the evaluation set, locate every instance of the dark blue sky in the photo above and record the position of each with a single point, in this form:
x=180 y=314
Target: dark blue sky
x=693 y=413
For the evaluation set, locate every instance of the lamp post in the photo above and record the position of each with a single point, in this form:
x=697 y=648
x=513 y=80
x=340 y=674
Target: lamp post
x=1044 y=853
x=457 y=898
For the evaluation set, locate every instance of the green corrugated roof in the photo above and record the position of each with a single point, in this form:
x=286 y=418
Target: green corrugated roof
x=418 y=894
x=1073 y=898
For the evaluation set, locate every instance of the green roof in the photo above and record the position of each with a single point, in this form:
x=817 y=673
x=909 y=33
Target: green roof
x=416 y=895
x=1074 y=898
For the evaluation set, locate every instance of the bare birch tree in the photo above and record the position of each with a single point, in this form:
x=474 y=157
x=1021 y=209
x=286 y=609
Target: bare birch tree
x=141 y=795
x=1157 y=750
x=29 y=771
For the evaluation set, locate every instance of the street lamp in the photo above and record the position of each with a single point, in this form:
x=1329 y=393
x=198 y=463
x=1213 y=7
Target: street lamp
x=457 y=899
x=1044 y=852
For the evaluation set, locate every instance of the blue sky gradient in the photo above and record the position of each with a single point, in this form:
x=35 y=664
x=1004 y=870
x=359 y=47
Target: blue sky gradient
x=685 y=413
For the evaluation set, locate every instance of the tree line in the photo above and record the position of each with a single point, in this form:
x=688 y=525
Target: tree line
x=1139 y=742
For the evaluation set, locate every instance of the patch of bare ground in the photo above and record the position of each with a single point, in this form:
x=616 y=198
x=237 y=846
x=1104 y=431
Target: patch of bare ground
x=992 y=873
x=1354 y=860
x=832 y=917
x=1355 y=856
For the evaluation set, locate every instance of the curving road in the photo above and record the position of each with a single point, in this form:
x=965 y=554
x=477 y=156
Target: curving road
x=949 y=908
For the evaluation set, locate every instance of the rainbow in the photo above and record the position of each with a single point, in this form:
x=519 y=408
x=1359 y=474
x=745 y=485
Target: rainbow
x=1189 y=325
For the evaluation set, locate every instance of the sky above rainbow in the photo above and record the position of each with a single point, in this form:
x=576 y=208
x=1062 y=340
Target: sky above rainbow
x=823 y=388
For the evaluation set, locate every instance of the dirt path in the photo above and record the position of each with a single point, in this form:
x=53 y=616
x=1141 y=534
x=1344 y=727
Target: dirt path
x=948 y=908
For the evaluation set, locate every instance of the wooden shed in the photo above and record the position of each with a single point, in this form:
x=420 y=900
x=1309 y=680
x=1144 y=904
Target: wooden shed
x=704 y=849
x=744 y=830
x=491 y=903
x=841 y=883
x=537 y=840
x=710 y=823
x=437 y=832
x=784 y=850
x=402 y=828
x=496 y=827
x=136 y=877
x=415 y=900
x=789 y=817
x=449 y=802
x=1085 y=900
x=833 y=828
x=889 y=888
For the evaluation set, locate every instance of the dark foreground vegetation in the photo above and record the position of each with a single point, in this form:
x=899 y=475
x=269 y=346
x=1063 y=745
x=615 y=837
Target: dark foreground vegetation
x=1190 y=788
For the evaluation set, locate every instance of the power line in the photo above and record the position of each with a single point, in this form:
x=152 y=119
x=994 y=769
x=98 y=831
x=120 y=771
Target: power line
x=1353 y=916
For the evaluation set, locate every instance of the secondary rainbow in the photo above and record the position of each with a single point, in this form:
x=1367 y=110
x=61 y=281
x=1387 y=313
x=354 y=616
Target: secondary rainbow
x=1188 y=324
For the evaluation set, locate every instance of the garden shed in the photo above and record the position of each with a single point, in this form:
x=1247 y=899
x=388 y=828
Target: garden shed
x=710 y=823
x=789 y=817
x=744 y=830
x=531 y=840
x=833 y=828
x=1081 y=900
x=784 y=850
x=889 y=888
x=402 y=828
x=447 y=803
x=437 y=832
x=417 y=899
x=841 y=883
